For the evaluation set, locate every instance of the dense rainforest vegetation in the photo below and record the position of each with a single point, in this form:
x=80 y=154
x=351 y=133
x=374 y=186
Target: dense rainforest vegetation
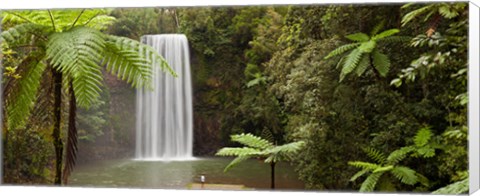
x=377 y=93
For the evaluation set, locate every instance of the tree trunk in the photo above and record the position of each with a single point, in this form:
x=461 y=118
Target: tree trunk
x=272 y=166
x=57 y=114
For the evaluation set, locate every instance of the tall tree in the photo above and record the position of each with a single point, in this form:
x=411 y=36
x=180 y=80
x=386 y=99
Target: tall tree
x=71 y=45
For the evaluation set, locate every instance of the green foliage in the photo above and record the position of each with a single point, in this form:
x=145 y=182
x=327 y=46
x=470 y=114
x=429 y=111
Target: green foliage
x=364 y=50
x=260 y=148
x=460 y=187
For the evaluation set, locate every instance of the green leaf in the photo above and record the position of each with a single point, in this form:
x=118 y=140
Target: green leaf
x=398 y=155
x=381 y=63
x=375 y=155
x=364 y=165
x=415 y=13
x=384 y=34
x=383 y=169
x=358 y=174
x=341 y=50
x=245 y=151
x=405 y=175
x=251 y=141
x=369 y=184
x=422 y=137
x=367 y=47
x=360 y=37
x=351 y=62
x=236 y=161
x=397 y=82
x=377 y=28
x=460 y=187
x=363 y=65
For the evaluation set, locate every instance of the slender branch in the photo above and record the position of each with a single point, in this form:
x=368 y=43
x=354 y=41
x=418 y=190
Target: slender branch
x=53 y=21
x=89 y=20
x=76 y=19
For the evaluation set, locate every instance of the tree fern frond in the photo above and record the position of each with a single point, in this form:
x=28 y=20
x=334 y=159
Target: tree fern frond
x=236 y=161
x=376 y=155
x=381 y=63
x=398 y=155
x=19 y=102
x=422 y=137
x=251 y=141
x=359 y=37
x=377 y=28
x=405 y=175
x=383 y=169
x=364 y=165
x=21 y=34
x=245 y=151
x=460 y=187
x=127 y=65
x=351 y=62
x=284 y=151
x=370 y=182
x=146 y=52
x=415 y=13
x=359 y=174
x=77 y=53
x=363 y=65
x=341 y=50
x=386 y=33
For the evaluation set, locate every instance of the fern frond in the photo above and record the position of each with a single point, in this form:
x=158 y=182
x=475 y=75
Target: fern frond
x=460 y=187
x=370 y=182
x=405 y=175
x=426 y=151
x=236 y=161
x=386 y=33
x=415 y=13
x=359 y=37
x=381 y=63
x=77 y=53
x=342 y=49
x=422 y=137
x=447 y=11
x=146 y=52
x=251 y=141
x=21 y=34
x=359 y=174
x=398 y=155
x=351 y=62
x=283 y=152
x=364 y=165
x=127 y=65
x=376 y=155
x=377 y=28
x=20 y=100
x=383 y=169
x=245 y=151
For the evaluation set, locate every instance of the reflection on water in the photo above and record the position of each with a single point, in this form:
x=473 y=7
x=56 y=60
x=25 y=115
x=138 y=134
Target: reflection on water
x=178 y=174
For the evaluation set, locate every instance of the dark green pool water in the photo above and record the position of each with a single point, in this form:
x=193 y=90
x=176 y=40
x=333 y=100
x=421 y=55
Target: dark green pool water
x=179 y=174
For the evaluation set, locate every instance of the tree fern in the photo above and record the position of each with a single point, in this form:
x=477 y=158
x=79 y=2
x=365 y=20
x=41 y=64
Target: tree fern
x=21 y=34
x=398 y=155
x=376 y=155
x=422 y=137
x=364 y=165
x=362 y=65
x=342 y=49
x=351 y=63
x=359 y=174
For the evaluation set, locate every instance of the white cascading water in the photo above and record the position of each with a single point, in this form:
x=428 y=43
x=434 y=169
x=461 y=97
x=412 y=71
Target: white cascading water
x=164 y=124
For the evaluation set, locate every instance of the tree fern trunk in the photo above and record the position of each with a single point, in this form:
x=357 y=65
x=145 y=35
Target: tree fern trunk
x=57 y=113
x=71 y=153
x=272 y=166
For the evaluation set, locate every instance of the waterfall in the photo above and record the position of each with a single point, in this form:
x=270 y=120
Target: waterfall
x=164 y=116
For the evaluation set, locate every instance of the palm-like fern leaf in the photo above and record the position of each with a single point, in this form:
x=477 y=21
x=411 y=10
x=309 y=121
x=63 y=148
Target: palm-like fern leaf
x=376 y=155
x=146 y=52
x=377 y=28
x=282 y=152
x=358 y=174
x=351 y=62
x=364 y=165
x=359 y=37
x=386 y=33
x=405 y=175
x=20 y=100
x=21 y=34
x=422 y=137
x=251 y=141
x=398 y=155
x=127 y=65
x=342 y=49
x=381 y=63
x=236 y=161
x=415 y=13
x=363 y=65
x=77 y=53
x=245 y=151
x=370 y=182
